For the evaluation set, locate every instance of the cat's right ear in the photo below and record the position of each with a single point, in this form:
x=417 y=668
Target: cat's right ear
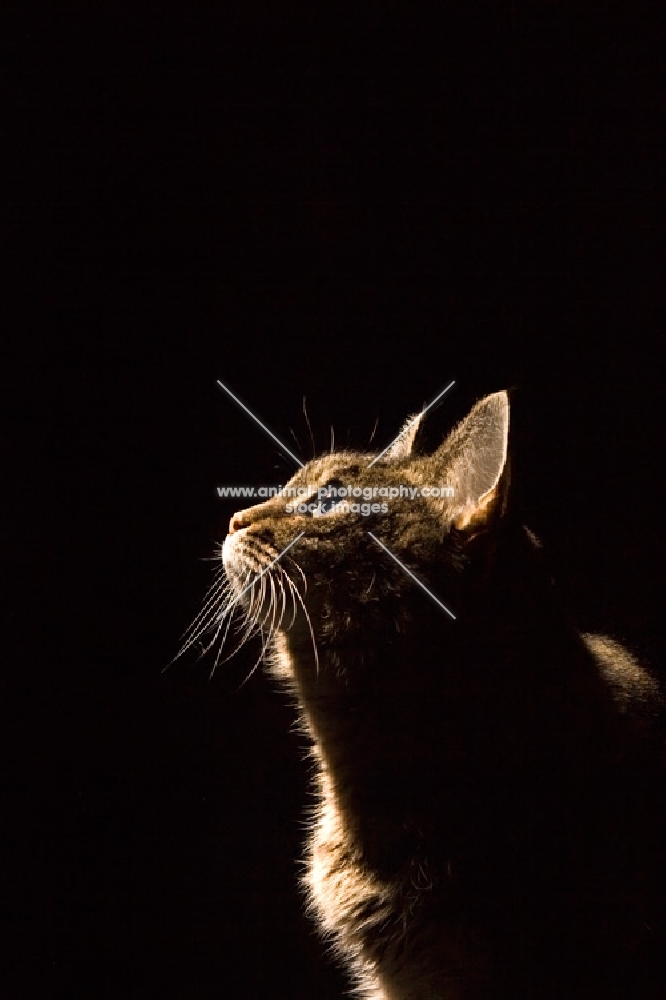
x=475 y=458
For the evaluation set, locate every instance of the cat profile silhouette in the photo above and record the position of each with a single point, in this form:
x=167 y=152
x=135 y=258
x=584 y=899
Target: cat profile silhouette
x=489 y=782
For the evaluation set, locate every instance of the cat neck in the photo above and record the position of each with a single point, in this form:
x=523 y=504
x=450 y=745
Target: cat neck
x=402 y=719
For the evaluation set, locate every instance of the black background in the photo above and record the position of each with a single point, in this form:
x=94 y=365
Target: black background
x=355 y=208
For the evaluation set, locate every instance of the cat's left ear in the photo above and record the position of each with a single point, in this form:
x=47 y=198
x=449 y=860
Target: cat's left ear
x=475 y=458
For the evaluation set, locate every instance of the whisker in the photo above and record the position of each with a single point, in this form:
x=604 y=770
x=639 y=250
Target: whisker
x=256 y=664
x=225 y=617
x=284 y=599
x=292 y=587
x=221 y=592
x=218 y=586
x=246 y=625
x=305 y=582
x=273 y=610
x=293 y=434
x=256 y=596
x=263 y=612
x=226 y=612
x=204 y=620
x=307 y=420
x=266 y=637
x=254 y=667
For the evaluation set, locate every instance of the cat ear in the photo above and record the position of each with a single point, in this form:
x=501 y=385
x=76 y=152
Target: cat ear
x=404 y=443
x=475 y=454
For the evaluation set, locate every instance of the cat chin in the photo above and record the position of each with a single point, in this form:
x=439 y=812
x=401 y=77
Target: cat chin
x=268 y=599
x=229 y=559
x=238 y=567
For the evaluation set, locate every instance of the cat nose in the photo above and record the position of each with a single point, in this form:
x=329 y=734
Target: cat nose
x=237 y=522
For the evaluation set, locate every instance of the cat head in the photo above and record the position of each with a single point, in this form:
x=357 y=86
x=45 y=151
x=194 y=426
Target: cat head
x=338 y=557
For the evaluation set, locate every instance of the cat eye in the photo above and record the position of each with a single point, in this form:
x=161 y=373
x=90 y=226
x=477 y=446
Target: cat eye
x=331 y=498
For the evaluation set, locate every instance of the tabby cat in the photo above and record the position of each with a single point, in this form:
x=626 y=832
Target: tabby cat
x=488 y=820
